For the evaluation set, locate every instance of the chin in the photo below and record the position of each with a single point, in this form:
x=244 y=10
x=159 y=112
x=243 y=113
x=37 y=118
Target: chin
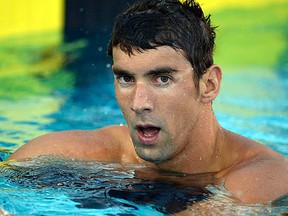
x=149 y=158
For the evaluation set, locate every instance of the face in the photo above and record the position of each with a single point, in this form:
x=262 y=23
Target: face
x=158 y=98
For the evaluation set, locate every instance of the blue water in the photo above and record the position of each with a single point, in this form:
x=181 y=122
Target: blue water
x=89 y=188
x=51 y=186
x=253 y=102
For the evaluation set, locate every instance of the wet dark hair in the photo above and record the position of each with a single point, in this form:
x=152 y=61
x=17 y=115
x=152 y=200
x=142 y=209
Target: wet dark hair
x=149 y=24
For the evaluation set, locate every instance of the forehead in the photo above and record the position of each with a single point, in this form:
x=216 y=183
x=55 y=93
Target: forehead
x=145 y=59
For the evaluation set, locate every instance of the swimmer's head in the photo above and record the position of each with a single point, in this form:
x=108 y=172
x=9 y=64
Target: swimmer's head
x=149 y=24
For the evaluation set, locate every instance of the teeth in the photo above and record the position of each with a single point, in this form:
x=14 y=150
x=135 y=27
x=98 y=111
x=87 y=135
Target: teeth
x=148 y=134
x=148 y=131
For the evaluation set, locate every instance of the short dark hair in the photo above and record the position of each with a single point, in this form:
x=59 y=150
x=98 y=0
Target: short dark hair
x=148 y=24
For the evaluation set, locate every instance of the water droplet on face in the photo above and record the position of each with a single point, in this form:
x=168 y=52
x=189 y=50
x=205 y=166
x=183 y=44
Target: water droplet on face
x=200 y=158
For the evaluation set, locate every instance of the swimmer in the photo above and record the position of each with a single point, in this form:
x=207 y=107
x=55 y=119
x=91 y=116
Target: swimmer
x=165 y=83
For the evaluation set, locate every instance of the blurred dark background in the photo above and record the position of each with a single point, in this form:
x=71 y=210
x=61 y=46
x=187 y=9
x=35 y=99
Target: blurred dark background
x=92 y=21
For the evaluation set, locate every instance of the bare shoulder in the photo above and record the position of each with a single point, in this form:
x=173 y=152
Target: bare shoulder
x=259 y=180
x=102 y=144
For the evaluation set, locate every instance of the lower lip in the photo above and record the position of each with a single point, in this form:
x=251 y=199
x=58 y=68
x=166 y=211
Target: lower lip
x=148 y=140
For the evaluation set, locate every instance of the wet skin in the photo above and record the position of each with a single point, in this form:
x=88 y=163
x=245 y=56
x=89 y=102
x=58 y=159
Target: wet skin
x=170 y=120
x=159 y=101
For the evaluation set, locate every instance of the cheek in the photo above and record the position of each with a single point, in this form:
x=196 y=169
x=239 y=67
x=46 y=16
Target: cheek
x=182 y=110
x=181 y=101
x=122 y=99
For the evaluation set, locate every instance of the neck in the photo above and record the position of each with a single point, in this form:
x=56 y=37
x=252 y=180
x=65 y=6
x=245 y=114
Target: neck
x=203 y=150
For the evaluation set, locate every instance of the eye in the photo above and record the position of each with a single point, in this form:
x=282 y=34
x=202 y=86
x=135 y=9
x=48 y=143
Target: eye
x=125 y=79
x=162 y=80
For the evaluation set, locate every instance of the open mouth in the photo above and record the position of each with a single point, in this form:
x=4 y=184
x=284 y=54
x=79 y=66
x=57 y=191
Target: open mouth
x=147 y=134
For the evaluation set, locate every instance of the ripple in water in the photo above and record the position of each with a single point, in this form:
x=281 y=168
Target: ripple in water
x=52 y=186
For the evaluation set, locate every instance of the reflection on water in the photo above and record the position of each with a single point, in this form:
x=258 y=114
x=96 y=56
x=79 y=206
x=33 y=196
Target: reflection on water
x=111 y=188
x=256 y=106
x=23 y=119
x=99 y=186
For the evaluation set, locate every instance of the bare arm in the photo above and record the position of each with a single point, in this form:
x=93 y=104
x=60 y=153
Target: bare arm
x=261 y=182
x=103 y=144
x=265 y=182
x=258 y=175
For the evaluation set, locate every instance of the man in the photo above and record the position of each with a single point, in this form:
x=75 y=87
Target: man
x=165 y=83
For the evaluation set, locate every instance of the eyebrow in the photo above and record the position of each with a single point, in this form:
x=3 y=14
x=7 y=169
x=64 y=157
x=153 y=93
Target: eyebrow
x=154 y=71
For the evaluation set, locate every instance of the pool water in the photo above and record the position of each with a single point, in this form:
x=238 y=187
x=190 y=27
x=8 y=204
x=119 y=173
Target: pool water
x=253 y=102
x=51 y=186
x=94 y=187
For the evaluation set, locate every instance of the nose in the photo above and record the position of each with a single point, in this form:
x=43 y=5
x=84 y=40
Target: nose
x=142 y=99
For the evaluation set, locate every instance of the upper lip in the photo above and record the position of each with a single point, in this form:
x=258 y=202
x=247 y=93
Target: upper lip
x=139 y=126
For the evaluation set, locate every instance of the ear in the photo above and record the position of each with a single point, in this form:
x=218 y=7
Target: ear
x=210 y=84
